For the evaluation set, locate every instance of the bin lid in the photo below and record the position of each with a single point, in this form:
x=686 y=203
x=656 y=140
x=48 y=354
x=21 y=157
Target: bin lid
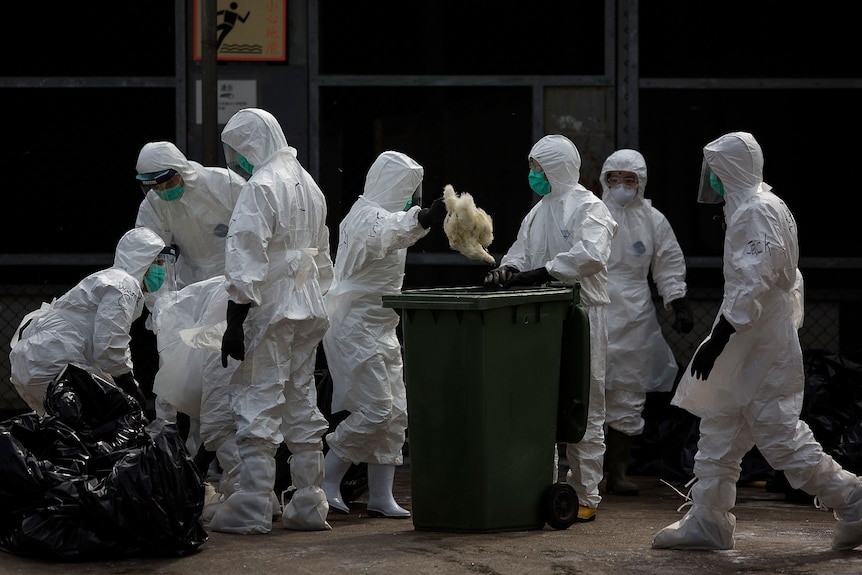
x=475 y=298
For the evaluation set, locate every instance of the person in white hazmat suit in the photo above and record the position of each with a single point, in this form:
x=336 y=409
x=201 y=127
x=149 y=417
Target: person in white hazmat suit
x=362 y=348
x=277 y=270
x=189 y=324
x=746 y=380
x=639 y=359
x=567 y=236
x=90 y=324
x=189 y=206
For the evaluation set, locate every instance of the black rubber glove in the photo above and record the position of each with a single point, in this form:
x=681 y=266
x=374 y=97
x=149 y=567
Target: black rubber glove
x=534 y=277
x=434 y=215
x=130 y=387
x=704 y=358
x=233 y=340
x=682 y=322
x=499 y=276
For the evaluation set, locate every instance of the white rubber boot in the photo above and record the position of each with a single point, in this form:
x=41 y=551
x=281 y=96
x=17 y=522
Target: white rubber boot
x=334 y=470
x=307 y=508
x=380 y=499
x=708 y=525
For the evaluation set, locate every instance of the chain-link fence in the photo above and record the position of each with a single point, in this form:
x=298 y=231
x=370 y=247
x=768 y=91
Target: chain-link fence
x=820 y=330
x=16 y=301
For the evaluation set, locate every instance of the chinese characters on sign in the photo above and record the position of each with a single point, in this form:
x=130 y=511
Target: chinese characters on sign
x=251 y=30
x=233 y=96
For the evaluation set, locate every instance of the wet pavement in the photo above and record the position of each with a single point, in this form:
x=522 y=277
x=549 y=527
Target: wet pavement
x=772 y=536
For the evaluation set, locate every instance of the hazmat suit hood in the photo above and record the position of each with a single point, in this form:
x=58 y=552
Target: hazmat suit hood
x=625 y=160
x=392 y=179
x=737 y=159
x=158 y=156
x=255 y=134
x=559 y=159
x=136 y=250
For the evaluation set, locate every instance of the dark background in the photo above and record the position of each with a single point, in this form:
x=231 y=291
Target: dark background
x=71 y=152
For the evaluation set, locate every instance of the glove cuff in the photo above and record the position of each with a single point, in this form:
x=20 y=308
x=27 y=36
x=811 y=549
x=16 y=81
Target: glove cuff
x=237 y=312
x=542 y=275
x=679 y=305
x=722 y=330
x=424 y=218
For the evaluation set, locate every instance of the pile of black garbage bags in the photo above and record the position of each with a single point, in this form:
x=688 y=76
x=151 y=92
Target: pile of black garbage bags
x=832 y=408
x=91 y=479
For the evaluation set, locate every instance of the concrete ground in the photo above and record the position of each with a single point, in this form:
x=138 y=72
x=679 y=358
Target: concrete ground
x=772 y=536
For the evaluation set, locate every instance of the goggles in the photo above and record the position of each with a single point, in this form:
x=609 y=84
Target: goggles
x=626 y=181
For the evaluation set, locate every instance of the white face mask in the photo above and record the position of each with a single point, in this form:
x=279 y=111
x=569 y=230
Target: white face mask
x=623 y=195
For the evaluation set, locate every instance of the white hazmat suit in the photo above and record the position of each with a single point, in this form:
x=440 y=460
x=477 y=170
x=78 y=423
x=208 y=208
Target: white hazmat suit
x=569 y=233
x=752 y=394
x=362 y=348
x=277 y=266
x=89 y=325
x=638 y=359
x=197 y=223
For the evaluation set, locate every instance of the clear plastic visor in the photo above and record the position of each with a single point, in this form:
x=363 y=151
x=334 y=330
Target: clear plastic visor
x=237 y=163
x=706 y=194
x=416 y=198
x=156 y=180
x=167 y=259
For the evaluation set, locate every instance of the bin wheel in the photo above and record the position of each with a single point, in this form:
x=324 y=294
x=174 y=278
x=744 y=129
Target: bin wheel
x=560 y=505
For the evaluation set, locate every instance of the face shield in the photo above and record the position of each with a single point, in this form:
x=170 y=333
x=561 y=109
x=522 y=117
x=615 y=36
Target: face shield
x=710 y=190
x=167 y=184
x=161 y=278
x=237 y=162
x=415 y=199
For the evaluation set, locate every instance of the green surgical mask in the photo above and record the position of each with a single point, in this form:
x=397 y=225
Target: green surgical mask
x=408 y=205
x=171 y=194
x=245 y=164
x=155 y=278
x=716 y=184
x=539 y=184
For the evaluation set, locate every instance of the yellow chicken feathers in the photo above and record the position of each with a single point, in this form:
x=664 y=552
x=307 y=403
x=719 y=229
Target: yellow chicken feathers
x=468 y=228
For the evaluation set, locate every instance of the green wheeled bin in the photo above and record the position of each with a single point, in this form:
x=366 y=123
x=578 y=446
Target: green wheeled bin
x=486 y=403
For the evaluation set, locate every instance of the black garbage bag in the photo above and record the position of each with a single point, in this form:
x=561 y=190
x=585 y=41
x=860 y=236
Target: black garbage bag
x=668 y=444
x=91 y=480
x=666 y=447
x=832 y=408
